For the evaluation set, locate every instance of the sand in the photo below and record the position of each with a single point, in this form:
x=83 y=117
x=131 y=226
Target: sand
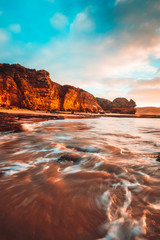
x=12 y=120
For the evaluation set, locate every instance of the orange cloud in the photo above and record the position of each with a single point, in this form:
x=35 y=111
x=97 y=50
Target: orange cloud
x=146 y=97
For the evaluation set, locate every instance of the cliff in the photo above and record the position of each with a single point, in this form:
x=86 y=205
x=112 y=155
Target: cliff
x=119 y=105
x=122 y=105
x=105 y=104
x=79 y=100
x=28 y=88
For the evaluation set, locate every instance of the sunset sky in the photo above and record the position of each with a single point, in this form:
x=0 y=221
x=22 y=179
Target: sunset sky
x=110 y=48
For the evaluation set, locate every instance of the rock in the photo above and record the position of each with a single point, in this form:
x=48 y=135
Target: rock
x=69 y=157
x=1 y=174
x=79 y=100
x=28 y=88
x=119 y=105
x=158 y=158
x=132 y=103
x=122 y=105
x=105 y=104
x=9 y=124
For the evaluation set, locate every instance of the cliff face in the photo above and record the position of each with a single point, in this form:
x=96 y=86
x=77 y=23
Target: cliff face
x=105 y=104
x=79 y=100
x=119 y=105
x=122 y=105
x=28 y=88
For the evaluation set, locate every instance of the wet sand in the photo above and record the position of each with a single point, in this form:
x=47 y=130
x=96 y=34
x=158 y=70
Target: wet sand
x=11 y=120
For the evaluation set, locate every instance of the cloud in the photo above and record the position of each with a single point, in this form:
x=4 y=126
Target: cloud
x=149 y=83
x=120 y=1
x=80 y=61
x=144 y=92
x=82 y=23
x=15 y=28
x=146 y=97
x=59 y=21
x=106 y=48
x=4 y=36
x=158 y=71
x=115 y=64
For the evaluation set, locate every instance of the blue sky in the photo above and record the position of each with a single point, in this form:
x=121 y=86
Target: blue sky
x=110 y=48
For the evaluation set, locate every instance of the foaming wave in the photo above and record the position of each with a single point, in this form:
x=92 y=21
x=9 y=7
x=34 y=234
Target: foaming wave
x=28 y=127
x=68 y=180
x=15 y=168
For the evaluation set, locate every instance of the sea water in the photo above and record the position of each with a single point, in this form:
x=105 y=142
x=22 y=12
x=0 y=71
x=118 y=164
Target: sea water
x=81 y=180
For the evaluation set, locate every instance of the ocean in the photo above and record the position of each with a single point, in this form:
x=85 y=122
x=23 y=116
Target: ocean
x=81 y=179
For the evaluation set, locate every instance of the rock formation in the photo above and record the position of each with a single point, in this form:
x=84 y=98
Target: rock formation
x=79 y=100
x=119 y=105
x=105 y=104
x=122 y=105
x=27 y=88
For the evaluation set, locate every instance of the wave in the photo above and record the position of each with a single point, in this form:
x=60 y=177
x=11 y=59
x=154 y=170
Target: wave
x=71 y=180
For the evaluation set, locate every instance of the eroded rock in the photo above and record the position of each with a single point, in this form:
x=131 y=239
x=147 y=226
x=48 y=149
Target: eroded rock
x=28 y=88
x=119 y=105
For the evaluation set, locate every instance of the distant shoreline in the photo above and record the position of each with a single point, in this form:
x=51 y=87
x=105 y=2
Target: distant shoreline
x=11 y=120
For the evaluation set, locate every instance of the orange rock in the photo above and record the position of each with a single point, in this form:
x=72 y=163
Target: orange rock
x=79 y=100
x=27 y=88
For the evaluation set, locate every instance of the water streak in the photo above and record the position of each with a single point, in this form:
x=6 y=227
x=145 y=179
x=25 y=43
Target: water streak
x=81 y=180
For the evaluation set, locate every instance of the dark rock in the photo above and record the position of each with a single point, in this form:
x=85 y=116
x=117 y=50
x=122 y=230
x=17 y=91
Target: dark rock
x=132 y=103
x=69 y=157
x=158 y=158
x=9 y=124
x=1 y=174
x=119 y=105
x=122 y=105
x=105 y=104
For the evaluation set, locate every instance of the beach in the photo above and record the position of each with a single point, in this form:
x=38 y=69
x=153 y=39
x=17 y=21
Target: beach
x=12 y=119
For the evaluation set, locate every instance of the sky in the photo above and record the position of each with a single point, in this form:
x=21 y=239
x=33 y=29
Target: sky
x=110 y=48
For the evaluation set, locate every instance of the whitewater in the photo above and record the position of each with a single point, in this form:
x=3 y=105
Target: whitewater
x=81 y=179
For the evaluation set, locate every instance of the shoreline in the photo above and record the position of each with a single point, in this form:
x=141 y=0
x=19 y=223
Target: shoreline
x=11 y=120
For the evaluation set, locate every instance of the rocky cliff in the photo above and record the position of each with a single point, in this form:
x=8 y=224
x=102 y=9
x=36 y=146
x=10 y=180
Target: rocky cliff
x=122 y=105
x=27 y=88
x=119 y=105
x=105 y=104
x=79 y=100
